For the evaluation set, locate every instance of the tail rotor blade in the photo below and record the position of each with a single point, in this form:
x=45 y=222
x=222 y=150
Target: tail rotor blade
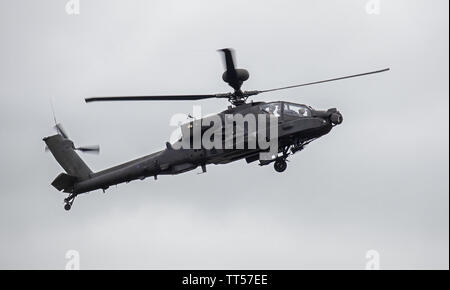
x=95 y=149
x=59 y=128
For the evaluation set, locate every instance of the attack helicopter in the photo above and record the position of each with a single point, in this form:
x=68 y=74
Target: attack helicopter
x=297 y=125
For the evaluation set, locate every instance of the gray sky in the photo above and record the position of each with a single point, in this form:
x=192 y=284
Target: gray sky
x=379 y=181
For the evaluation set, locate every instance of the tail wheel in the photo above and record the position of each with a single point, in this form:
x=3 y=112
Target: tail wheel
x=69 y=201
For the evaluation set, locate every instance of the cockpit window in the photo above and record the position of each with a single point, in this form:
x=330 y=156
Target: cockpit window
x=295 y=110
x=272 y=109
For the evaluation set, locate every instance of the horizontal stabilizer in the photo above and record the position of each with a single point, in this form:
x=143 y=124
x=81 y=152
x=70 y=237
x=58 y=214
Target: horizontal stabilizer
x=64 y=182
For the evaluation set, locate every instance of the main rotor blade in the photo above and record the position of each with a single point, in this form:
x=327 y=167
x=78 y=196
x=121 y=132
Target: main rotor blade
x=157 y=98
x=231 y=74
x=325 y=81
x=229 y=61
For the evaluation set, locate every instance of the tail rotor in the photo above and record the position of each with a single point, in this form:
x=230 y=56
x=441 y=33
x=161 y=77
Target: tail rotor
x=93 y=149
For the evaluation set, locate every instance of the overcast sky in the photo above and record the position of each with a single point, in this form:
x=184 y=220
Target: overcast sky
x=379 y=181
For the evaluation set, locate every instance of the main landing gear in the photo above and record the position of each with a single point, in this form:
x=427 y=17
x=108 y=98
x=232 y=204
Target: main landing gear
x=280 y=165
x=280 y=162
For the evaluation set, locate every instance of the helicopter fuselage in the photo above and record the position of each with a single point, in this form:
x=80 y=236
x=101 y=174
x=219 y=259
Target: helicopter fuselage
x=294 y=127
x=294 y=131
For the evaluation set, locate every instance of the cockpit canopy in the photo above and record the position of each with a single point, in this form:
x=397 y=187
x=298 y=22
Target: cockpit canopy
x=272 y=108
x=284 y=109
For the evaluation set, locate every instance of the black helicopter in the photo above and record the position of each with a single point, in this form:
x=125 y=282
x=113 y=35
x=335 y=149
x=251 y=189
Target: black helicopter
x=297 y=126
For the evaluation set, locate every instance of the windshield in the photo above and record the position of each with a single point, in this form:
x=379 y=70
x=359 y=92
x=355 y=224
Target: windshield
x=272 y=109
x=296 y=110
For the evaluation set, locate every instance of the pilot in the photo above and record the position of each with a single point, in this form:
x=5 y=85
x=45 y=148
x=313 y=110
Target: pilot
x=277 y=111
x=302 y=112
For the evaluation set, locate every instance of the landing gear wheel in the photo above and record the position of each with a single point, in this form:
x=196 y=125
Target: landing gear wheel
x=69 y=201
x=280 y=165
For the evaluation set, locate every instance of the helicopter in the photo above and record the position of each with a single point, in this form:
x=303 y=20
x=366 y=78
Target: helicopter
x=296 y=126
